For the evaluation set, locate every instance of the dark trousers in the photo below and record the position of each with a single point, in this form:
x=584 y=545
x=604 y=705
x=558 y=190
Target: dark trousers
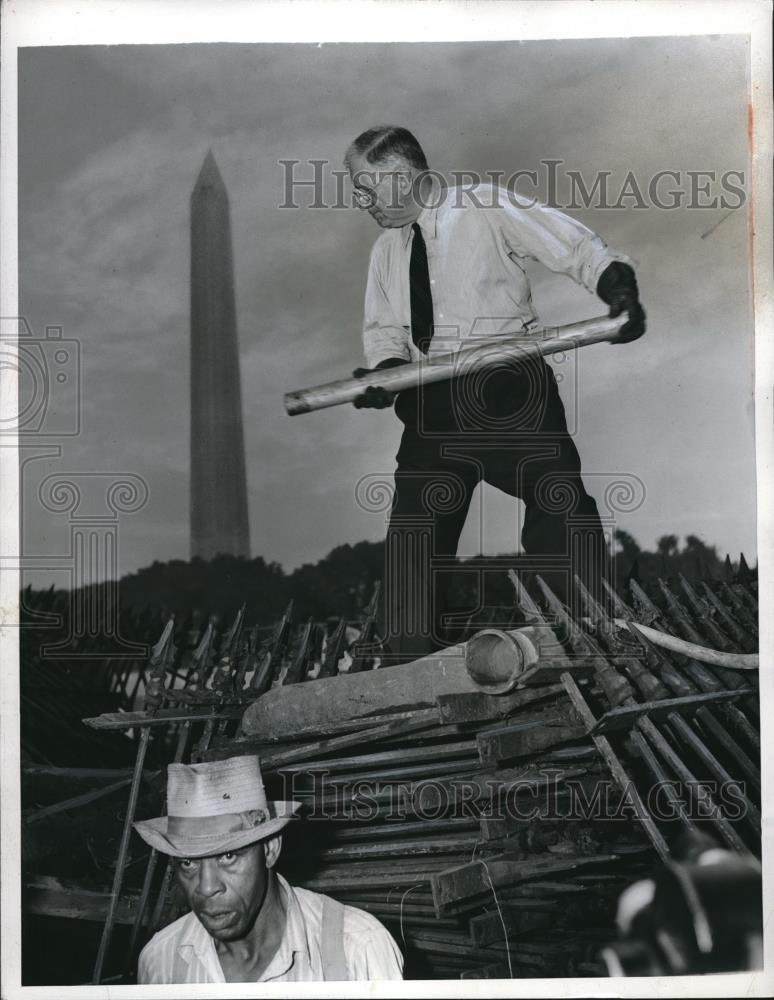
x=509 y=430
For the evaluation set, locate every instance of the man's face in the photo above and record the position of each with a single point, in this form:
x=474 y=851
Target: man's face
x=385 y=191
x=226 y=891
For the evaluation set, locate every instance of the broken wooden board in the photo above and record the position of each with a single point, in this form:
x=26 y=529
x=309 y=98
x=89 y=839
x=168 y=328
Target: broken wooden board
x=347 y=696
x=282 y=711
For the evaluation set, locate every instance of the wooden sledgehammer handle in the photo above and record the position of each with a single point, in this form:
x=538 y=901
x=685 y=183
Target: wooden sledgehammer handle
x=447 y=366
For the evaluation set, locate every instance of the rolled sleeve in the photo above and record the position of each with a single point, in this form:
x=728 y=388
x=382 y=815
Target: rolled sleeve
x=383 y=336
x=561 y=243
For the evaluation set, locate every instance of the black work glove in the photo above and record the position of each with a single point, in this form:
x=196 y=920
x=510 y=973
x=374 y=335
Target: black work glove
x=617 y=286
x=375 y=397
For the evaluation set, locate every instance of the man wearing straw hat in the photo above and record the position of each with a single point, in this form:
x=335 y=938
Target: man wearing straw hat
x=247 y=924
x=447 y=270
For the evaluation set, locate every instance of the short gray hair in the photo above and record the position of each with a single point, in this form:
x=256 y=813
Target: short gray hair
x=379 y=143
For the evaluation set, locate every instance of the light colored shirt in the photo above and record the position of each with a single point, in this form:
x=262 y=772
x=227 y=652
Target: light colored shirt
x=183 y=952
x=478 y=240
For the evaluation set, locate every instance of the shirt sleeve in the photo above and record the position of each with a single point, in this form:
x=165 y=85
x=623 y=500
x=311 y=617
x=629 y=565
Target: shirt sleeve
x=383 y=335
x=370 y=951
x=561 y=243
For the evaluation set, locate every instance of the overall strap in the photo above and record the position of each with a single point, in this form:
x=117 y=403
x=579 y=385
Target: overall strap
x=332 y=941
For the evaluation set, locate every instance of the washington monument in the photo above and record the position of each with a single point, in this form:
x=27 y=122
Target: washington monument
x=219 y=522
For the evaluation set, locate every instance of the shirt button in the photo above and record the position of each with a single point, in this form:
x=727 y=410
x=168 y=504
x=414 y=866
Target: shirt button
x=432 y=281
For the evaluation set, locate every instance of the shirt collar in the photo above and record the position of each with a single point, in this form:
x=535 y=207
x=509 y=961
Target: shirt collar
x=294 y=941
x=428 y=223
x=195 y=941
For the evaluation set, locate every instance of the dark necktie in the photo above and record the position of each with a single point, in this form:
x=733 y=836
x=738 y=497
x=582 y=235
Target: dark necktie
x=421 y=299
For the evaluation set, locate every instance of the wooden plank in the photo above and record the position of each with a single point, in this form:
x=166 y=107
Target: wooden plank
x=524 y=739
x=401 y=848
x=488 y=927
x=477 y=879
x=298 y=736
x=75 y=802
x=51 y=897
x=420 y=720
x=406 y=755
x=547 y=672
x=480 y=707
x=164 y=717
x=625 y=716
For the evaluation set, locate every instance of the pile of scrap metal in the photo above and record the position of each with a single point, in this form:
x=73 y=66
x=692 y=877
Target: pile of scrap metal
x=488 y=803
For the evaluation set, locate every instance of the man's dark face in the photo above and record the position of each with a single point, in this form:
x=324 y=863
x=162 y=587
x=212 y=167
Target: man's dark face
x=226 y=891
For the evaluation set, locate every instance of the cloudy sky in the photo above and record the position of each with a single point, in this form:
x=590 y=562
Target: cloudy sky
x=111 y=140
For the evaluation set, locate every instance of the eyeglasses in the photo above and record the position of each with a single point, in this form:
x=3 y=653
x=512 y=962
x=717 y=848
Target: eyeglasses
x=363 y=196
x=366 y=196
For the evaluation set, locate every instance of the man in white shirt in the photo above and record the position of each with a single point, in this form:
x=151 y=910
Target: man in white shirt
x=246 y=923
x=449 y=270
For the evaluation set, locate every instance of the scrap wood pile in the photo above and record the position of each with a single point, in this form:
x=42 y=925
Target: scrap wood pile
x=475 y=825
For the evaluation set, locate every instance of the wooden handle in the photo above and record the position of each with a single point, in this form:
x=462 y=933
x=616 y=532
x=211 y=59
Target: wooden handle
x=438 y=368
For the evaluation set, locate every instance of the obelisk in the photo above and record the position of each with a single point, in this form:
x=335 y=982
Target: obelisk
x=219 y=520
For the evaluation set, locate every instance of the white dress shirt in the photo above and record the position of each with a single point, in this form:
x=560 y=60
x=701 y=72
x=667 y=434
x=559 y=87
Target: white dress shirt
x=477 y=239
x=183 y=952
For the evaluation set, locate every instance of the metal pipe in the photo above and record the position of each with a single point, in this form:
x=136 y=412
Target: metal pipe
x=486 y=354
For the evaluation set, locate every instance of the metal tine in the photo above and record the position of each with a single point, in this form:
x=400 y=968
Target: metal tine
x=680 y=686
x=685 y=774
x=743 y=638
x=686 y=734
x=747 y=595
x=617 y=770
x=648 y=728
x=678 y=614
x=528 y=607
x=742 y=609
x=621 y=609
x=617 y=689
x=703 y=612
x=653 y=764
x=247 y=659
x=239 y=654
x=650 y=686
x=362 y=650
x=644 y=607
x=296 y=671
x=231 y=639
x=728 y=678
x=267 y=669
x=672 y=678
x=748 y=766
x=162 y=654
x=334 y=650
x=748 y=599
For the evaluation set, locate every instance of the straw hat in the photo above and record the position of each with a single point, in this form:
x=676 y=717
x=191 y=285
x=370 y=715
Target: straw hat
x=215 y=807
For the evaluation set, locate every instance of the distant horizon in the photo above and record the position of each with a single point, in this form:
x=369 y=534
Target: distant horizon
x=735 y=560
